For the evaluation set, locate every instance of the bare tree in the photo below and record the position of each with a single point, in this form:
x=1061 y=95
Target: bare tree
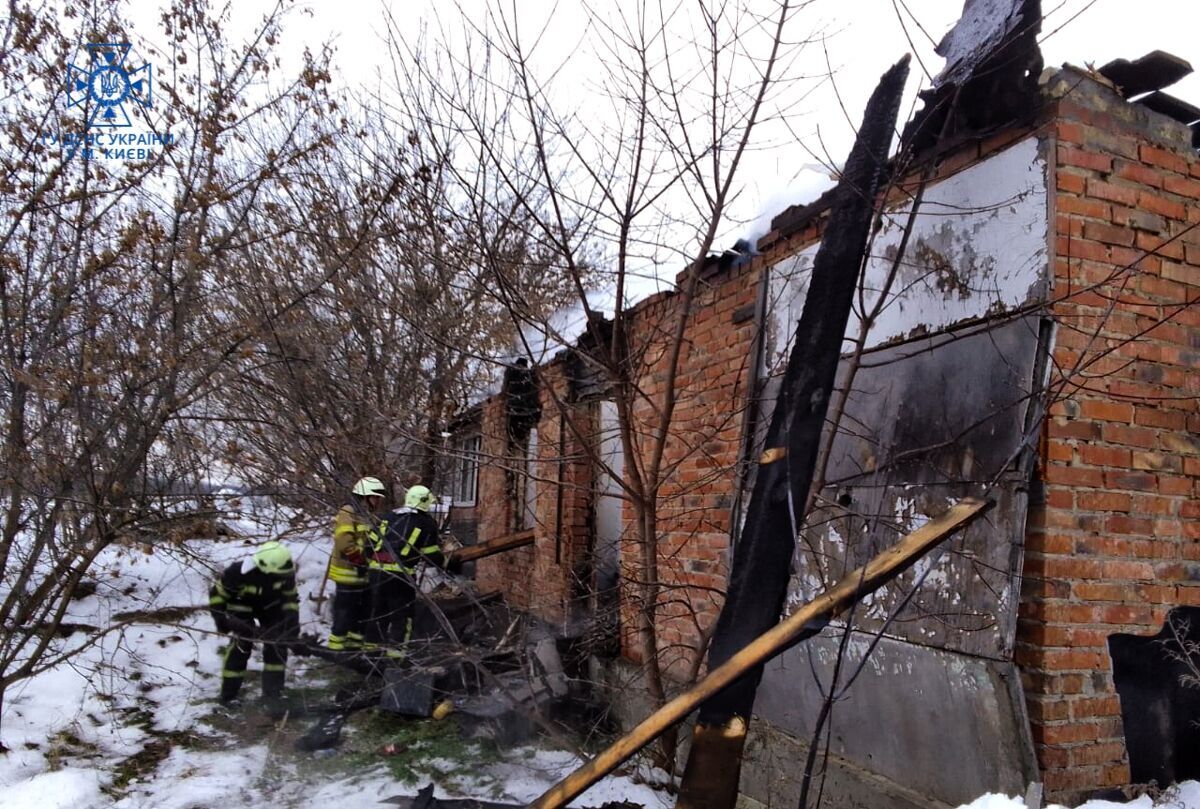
x=114 y=323
x=644 y=186
x=400 y=324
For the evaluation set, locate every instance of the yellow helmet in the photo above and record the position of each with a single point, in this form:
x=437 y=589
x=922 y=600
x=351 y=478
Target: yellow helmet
x=419 y=497
x=274 y=558
x=369 y=487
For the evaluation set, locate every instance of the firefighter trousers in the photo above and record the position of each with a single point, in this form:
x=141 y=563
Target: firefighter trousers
x=351 y=609
x=237 y=654
x=393 y=605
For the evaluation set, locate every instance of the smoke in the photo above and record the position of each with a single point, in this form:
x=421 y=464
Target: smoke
x=806 y=185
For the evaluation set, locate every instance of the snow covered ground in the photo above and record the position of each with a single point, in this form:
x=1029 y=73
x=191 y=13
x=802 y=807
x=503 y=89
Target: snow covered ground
x=131 y=721
x=1183 y=796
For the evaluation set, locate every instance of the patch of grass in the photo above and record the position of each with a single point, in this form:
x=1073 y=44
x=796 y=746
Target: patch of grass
x=66 y=745
x=423 y=746
x=140 y=764
x=156 y=749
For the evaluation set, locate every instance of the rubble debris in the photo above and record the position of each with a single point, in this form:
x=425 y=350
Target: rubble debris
x=990 y=80
x=1154 y=71
x=498 y=674
x=424 y=800
x=326 y=732
x=409 y=692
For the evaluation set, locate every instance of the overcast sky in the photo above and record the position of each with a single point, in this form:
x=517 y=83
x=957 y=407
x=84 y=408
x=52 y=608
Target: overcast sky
x=858 y=39
x=863 y=37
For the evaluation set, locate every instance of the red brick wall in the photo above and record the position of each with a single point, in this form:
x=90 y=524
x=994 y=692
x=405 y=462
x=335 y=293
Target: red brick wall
x=695 y=502
x=550 y=578
x=496 y=573
x=1117 y=542
x=545 y=578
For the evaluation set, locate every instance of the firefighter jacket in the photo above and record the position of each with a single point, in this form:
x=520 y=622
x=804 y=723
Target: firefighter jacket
x=245 y=593
x=406 y=537
x=352 y=537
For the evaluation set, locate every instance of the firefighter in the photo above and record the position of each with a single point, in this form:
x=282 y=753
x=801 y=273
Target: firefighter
x=353 y=530
x=407 y=537
x=256 y=600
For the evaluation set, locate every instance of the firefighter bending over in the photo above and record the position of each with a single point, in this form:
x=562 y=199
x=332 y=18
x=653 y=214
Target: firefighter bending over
x=354 y=530
x=408 y=537
x=256 y=600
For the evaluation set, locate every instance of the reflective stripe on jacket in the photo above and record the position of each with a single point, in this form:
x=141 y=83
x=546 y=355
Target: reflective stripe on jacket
x=405 y=539
x=351 y=537
x=243 y=588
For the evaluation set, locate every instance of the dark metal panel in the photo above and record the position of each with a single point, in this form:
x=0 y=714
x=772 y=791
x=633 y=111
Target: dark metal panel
x=967 y=601
x=949 y=408
x=927 y=423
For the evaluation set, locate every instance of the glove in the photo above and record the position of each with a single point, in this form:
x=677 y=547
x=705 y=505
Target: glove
x=284 y=628
x=237 y=626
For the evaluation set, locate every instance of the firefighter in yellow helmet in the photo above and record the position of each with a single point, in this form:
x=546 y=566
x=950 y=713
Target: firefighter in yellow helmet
x=256 y=600
x=408 y=539
x=354 y=528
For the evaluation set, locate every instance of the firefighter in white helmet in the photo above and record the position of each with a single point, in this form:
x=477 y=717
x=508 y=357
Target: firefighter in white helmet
x=354 y=529
x=409 y=538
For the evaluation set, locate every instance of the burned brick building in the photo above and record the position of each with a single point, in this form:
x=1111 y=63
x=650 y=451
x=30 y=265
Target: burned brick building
x=1032 y=333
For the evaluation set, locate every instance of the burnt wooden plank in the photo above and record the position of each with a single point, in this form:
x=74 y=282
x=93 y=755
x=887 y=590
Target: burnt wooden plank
x=758 y=582
x=1154 y=71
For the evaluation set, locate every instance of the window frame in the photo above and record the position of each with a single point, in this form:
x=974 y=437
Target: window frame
x=466 y=457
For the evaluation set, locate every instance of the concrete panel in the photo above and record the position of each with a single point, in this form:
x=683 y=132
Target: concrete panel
x=773 y=768
x=931 y=722
x=978 y=248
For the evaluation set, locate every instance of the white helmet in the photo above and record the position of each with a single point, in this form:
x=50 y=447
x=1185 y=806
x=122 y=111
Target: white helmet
x=369 y=487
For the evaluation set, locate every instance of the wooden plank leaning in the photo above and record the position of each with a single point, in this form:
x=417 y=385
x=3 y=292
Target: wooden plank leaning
x=879 y=571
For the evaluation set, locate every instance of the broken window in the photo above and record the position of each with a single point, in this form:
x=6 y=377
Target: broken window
x=525 y=507
x=523 y=411
x=464 y=475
